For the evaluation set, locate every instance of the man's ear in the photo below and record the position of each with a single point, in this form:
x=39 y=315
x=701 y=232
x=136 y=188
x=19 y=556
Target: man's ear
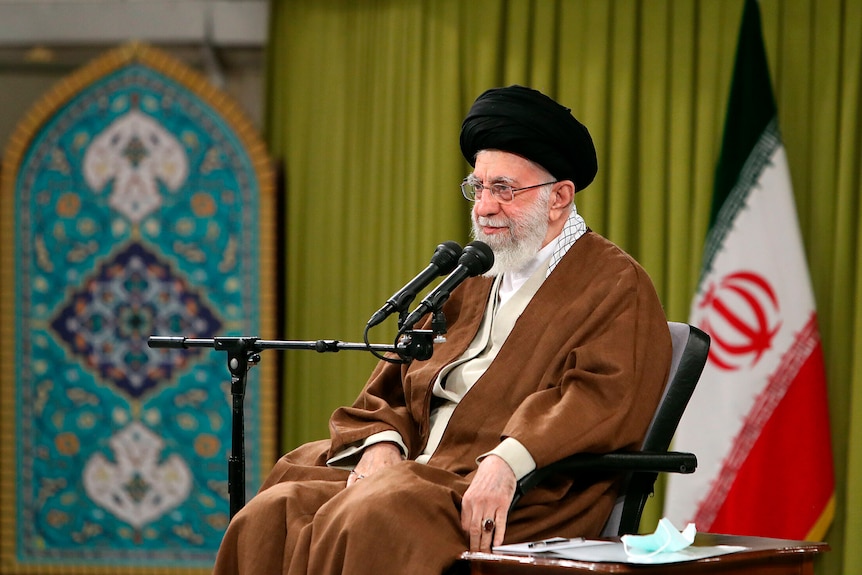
x=563 y=194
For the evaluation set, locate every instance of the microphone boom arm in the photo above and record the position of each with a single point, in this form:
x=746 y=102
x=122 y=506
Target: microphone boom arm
x=223 y=343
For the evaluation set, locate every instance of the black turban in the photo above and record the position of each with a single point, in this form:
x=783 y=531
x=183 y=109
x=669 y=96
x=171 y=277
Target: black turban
x=524 y=121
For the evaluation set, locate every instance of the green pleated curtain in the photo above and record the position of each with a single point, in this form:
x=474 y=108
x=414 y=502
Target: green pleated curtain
x=365 y=101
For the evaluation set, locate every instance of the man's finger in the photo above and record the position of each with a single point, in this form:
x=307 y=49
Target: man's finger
x=488 y=527
x=500 y=530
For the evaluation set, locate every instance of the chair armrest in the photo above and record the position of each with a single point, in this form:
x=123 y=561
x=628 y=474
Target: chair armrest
x=637 y=461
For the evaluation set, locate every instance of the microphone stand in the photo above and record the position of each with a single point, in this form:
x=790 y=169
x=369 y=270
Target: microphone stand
x=243 y=352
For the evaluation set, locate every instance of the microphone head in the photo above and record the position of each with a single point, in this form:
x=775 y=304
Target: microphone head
x=446 y=256
x=477 y=257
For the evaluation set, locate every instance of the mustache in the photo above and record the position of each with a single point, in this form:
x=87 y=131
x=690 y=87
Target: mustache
x=498 y=222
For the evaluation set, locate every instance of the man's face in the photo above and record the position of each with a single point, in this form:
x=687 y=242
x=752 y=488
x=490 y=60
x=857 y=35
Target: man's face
x=516 y=231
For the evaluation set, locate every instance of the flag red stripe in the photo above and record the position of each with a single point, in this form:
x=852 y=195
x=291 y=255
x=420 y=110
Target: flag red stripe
x=786 y=481
x=792 y=362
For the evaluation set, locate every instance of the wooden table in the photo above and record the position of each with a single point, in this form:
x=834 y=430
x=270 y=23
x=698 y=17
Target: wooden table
x=764 y=556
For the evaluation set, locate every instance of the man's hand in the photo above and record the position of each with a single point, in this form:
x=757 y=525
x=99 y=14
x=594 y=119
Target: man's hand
x=488 y=497
x=374 y=458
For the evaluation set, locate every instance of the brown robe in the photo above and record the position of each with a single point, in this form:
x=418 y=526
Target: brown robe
x=581 y=371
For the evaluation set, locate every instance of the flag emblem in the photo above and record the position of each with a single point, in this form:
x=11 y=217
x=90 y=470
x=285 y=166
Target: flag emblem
x=742 y=316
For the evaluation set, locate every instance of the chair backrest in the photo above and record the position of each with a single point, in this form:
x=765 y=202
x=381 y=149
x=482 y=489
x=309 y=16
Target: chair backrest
x=690 y=349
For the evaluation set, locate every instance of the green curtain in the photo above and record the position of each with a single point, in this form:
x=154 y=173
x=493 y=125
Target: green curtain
x=365 y=100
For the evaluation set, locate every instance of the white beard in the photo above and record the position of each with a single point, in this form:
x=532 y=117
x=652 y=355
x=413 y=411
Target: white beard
x=524 y=239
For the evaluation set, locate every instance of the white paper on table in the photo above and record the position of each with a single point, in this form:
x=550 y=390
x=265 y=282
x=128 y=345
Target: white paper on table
x=615 y=553
x=547 y=546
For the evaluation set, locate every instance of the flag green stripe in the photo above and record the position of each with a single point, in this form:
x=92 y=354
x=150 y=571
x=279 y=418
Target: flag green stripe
x=751 y=107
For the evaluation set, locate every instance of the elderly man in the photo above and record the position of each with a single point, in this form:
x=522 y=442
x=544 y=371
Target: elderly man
x=562 y=348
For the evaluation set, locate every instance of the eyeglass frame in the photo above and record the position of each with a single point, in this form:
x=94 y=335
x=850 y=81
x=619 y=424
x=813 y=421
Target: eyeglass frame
x=466 y=185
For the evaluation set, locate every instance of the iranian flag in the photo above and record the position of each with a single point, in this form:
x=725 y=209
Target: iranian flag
x=758 y=421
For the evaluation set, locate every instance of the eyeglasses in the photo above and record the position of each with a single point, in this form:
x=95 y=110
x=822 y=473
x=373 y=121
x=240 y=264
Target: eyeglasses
x=503 y=193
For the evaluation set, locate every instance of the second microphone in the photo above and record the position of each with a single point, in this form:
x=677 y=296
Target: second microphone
x=476 y=259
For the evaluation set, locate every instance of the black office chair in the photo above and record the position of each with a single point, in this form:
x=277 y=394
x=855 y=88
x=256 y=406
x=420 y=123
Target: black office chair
x=690 y=348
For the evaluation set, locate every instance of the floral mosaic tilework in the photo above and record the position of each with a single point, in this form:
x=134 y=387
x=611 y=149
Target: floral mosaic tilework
x=136 y=202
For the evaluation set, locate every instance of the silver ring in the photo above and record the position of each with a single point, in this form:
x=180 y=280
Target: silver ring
x=488 y=525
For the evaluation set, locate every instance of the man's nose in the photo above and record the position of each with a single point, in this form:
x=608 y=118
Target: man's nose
x=487 y=203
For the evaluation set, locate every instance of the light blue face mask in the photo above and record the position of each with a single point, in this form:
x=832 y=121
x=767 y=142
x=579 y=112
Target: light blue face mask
x=665 y=539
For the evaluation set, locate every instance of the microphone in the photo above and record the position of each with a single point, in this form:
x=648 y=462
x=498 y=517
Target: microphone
x=476 y=259
x=443 y=261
